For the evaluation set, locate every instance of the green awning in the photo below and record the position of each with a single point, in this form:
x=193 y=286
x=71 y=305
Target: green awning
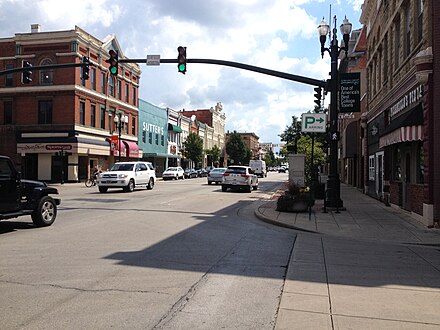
x=174 y=128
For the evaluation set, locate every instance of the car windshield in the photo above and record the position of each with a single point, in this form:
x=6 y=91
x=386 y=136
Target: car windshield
x=236 y=170
x=122 y=167
x=172 y=169
x=218 y=170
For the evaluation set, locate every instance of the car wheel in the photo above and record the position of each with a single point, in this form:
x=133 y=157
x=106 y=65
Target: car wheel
x=45 y=213
x=150 y=184
x=130 y=186
x=224 y=188
x=102 y=189
x=255 y=187
x=249 y=188
x=209 y=182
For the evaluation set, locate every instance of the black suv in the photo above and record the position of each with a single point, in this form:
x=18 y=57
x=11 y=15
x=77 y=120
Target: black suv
x=25 y=197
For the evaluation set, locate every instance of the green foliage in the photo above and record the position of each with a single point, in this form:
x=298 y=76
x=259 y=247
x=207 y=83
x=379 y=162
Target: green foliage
x=305 y=147
x=269 y=158
x=214 y=153
x=193 y=147
x=236 y=149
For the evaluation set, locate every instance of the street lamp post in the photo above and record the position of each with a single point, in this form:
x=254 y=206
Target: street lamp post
x=118 y=120
x=333 y=198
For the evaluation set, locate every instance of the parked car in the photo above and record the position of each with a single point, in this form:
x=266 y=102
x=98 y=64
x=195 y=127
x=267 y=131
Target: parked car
x=20 y=197
x=216 y=175
x=127 y=175
x=239 y=177
x=282 y=169
x=201 y=172
x=190 y=173
x=173 y=173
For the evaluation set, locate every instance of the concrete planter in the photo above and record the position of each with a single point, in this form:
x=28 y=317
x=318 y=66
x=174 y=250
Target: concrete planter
x=291 y=203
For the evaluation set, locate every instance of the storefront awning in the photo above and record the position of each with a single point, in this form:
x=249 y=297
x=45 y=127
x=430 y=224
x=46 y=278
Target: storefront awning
x=114 y=147
x=133 y=149
x=407 y=127
x=174 y=128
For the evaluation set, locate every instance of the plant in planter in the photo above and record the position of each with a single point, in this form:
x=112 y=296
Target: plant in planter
x=295 y=199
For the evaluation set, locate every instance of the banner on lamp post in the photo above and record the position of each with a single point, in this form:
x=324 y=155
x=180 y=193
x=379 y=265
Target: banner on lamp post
x=350 y=92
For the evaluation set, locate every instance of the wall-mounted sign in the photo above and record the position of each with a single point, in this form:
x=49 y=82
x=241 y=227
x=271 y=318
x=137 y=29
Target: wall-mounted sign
x=350 y=92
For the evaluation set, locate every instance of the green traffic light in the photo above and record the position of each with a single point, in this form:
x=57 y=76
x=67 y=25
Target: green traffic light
x=182 y=67
x=113 y=70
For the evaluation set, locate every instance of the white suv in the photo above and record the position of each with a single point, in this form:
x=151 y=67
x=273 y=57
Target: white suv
x=237 y=177
x=127 y=175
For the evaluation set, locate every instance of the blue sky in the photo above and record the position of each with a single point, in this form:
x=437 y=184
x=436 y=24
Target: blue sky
x=275 y=34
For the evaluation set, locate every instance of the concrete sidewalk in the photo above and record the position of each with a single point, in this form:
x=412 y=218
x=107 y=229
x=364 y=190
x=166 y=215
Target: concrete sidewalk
x=368 y=267
x=364 y=218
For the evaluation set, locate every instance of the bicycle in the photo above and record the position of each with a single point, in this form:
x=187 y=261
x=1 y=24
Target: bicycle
x=90 y=182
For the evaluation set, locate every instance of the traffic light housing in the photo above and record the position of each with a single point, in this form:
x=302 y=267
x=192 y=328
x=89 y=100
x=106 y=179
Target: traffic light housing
x=114 y=62
x=85 y=67
x=181 y=59
x=26 y=76
x=318 y=95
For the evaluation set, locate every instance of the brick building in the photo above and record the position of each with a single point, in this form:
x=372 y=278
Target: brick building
x=401 y=124
x=59 y=126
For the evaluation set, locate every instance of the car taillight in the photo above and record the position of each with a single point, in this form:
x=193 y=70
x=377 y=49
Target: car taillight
x=225 y=174
x=244 y=175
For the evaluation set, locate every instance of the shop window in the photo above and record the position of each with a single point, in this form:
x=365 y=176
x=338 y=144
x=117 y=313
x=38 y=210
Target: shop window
x=371 y=168
x=420 y=164
x=397 y=168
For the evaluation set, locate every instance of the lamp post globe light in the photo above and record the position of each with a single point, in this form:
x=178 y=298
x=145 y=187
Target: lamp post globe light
x=333 y=196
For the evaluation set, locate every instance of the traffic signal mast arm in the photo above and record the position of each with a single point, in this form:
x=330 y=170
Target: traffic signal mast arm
x=288 y=76
x=44 y=67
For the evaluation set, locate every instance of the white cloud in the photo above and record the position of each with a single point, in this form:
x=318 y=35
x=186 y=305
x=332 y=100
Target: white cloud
x=279 y=35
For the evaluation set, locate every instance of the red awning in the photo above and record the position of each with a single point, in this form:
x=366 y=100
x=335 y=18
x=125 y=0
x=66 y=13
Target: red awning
x=133 y=149
x=114 y=147
x=402 y=134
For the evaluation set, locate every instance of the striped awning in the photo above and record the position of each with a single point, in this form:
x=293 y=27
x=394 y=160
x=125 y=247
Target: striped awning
x=402 y=134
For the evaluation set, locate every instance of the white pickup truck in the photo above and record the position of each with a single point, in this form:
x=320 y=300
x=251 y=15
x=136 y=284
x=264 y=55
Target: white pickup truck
x=127 y=175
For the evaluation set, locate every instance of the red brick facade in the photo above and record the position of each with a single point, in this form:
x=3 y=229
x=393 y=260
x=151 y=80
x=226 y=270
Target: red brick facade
x=60 y=111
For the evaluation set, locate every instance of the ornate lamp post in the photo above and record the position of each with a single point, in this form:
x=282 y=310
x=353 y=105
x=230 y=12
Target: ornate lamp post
x=118 y=121
x=333 y=198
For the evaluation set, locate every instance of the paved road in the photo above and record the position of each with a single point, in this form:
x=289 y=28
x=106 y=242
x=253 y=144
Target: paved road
x=183 y=255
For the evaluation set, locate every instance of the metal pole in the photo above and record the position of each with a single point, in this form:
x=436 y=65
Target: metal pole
x=119 y=131
x=333 y=183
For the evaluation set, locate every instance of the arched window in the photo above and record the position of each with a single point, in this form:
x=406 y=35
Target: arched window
x=46 y=76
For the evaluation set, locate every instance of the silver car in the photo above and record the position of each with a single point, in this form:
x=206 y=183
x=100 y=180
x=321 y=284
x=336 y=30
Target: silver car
x=216 y=175
x=239 y=177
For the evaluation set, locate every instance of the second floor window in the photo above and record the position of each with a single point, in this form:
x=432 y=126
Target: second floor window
x=45 y=112
x=102 y=117
x=111 y=86
x=103 y=82
x=7 y=112
x=93 y=115
x=82 y=113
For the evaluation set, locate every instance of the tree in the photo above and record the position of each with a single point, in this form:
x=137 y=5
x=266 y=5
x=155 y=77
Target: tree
x=305 y=147
x=292 y=133
x=193 y=147
x=269 y=158
x=236 y=149
x=214 y=154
